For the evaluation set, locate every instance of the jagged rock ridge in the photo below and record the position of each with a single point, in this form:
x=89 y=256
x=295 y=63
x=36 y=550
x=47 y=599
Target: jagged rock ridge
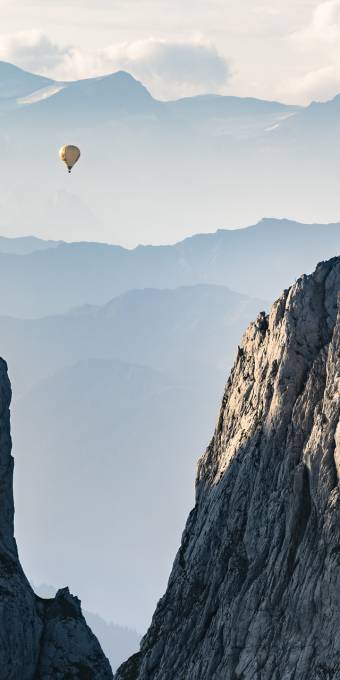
x=39 y=639
x=254 y=593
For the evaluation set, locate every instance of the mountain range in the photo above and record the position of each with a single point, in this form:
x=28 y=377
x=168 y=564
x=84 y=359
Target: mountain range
x=257 y=261
x=120 y=94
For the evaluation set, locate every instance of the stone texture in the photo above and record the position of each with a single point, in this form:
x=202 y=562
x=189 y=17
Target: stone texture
x=254 y=593
x=39 y=639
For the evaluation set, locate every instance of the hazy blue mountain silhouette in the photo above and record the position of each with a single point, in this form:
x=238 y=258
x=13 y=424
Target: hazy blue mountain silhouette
x=117 y=642
x=116 y=441
x=111 y=405
x=171 y=330
x=316 y=118
x=24 y=245
x=257 y=261
x=114 y=402
x=228 y=116
x=92 y=99
x=119 y=94
x=15 y=82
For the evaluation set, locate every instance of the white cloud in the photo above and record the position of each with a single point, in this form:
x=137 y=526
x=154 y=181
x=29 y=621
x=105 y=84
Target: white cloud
x=279 y=49
x=326 y=22
x=317 y=48
x=172 y=68
x=31 y=50
x=168 y=68
x=322 y=31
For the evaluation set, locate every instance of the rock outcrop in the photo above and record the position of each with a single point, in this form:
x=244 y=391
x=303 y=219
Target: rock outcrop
x=39 y=639
x=254 y=593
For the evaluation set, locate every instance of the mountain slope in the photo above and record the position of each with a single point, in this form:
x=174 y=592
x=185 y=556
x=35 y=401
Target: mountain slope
x=255 y=585
x=91 y=100
x=15 y=82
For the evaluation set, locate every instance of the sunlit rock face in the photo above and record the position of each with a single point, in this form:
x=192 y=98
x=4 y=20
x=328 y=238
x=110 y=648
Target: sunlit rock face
x=254 y=593
x=39 y=639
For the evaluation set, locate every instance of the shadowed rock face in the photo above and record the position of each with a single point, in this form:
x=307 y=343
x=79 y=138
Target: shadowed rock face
x=254 y=593
x=39 y=639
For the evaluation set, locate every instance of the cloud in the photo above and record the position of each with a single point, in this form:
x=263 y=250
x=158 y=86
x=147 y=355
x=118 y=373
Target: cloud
x=283 y=49
x=319 y=84
x=173 y=68
x=168 y=68
x=317 y=46
x=325 y=25
x=322 y=31
x=31 y=50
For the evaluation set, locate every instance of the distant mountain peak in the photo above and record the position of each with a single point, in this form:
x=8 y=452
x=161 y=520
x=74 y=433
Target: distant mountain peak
x=122 y=75
x=116 y=76
x=127 y=83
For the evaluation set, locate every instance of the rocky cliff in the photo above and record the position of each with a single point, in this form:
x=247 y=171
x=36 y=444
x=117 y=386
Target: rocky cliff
x=254 y=593
x=39 y=639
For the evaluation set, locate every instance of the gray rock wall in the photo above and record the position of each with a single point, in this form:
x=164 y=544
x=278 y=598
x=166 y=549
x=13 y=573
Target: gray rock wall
x=254 y=593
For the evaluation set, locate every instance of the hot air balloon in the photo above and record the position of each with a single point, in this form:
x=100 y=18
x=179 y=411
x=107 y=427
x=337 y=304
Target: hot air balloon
x=69 y=155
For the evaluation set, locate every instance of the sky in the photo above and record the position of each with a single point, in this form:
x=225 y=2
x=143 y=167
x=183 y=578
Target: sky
x=287 y=50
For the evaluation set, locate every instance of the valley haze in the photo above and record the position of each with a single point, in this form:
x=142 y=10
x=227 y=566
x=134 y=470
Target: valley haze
x=119 y=358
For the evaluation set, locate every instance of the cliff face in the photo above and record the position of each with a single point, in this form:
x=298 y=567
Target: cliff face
x=39 y=639
x=254 y=593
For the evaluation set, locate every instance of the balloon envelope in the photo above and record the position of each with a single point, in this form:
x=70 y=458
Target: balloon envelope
x=69 y=155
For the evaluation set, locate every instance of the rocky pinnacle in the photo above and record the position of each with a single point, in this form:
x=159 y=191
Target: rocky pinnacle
x=39 y=639
x=254 y=592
